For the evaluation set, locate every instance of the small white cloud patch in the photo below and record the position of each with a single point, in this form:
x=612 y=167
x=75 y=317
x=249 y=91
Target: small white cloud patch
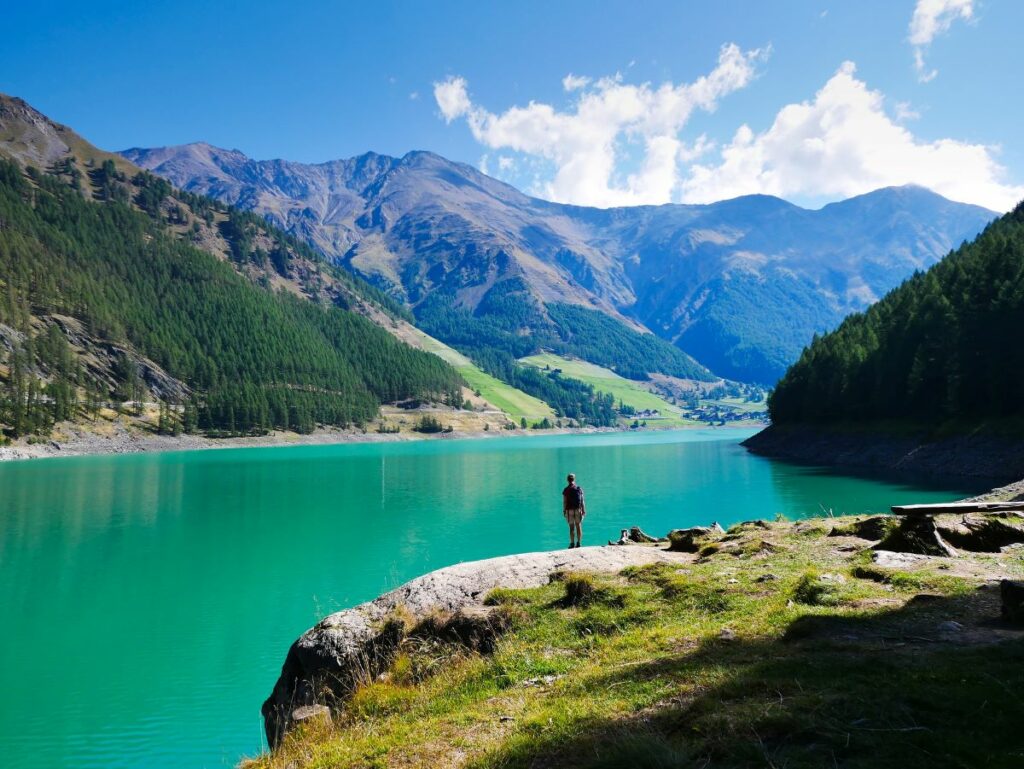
x=932 y=18
x=574 y=82
x=452 y=98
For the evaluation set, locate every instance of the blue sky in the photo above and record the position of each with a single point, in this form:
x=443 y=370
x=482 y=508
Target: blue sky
x=813 y=101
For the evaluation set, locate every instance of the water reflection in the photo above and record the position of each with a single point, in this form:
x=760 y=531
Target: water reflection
x=808 y=490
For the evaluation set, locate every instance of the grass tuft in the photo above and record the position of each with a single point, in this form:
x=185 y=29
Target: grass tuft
x=811 y=590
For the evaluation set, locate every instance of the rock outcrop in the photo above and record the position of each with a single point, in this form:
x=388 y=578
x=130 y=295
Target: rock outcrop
x=330 y=660
x=691 y=540
x=943 y=535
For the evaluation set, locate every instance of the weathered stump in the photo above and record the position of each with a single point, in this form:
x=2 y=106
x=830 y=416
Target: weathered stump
x=917 y=534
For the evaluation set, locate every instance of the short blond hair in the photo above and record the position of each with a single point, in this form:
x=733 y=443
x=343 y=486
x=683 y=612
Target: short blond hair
x=571 y=477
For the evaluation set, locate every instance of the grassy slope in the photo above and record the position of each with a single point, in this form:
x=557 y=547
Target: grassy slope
x=513 y=402
x=629 y=392
x=834 y=662
x=735 y=403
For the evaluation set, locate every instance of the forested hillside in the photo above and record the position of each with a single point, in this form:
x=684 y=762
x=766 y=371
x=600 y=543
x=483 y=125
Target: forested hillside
x=105 y=300
x=943 y=349
x=131 y=346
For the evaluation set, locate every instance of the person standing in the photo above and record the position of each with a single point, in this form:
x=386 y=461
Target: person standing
x=574 y=509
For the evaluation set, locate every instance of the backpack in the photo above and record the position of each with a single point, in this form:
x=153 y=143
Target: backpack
x=573 y=497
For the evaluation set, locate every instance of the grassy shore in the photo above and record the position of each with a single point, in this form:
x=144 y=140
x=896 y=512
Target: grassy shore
x=777 y=646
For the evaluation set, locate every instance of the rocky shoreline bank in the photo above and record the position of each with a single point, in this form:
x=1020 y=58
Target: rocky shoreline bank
x=74 y=441
x=357 y=648
x=355 y=645
x=974 y=456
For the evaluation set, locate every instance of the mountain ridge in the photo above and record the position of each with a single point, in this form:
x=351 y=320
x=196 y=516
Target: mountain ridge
x=742 y=285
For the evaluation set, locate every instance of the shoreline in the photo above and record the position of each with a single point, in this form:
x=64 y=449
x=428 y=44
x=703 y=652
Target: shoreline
x=346 y=644
x=335 y=659
x=993 y=459
x=75 y=442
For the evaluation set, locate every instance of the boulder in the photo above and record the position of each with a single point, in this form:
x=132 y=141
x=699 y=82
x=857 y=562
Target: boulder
x=891 y=560
x=691 y=540
x=916 y=534
x=1012 y=594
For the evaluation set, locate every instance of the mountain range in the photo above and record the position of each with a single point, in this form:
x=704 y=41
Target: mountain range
x=740 y=285
x=119 y=289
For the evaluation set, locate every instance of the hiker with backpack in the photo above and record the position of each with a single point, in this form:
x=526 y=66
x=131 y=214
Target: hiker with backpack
x=574 y=509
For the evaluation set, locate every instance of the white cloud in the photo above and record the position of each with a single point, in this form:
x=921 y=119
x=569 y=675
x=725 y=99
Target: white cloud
x=904 y=112
x=452 y=98
x=844 y=143
x=932 y=18
x=585 y=143
x=506 y=163
x=574 y=82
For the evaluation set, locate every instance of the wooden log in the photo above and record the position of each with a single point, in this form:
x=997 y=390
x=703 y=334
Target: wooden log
x=957 y=507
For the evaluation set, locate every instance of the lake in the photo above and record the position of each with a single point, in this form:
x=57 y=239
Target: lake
x=148 y=600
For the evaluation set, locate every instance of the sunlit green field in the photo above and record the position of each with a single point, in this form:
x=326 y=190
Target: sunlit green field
x=738 y=404
x=513 y=402
x=631 y=393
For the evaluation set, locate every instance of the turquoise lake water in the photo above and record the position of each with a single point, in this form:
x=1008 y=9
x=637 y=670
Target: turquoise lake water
x=148 y=600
